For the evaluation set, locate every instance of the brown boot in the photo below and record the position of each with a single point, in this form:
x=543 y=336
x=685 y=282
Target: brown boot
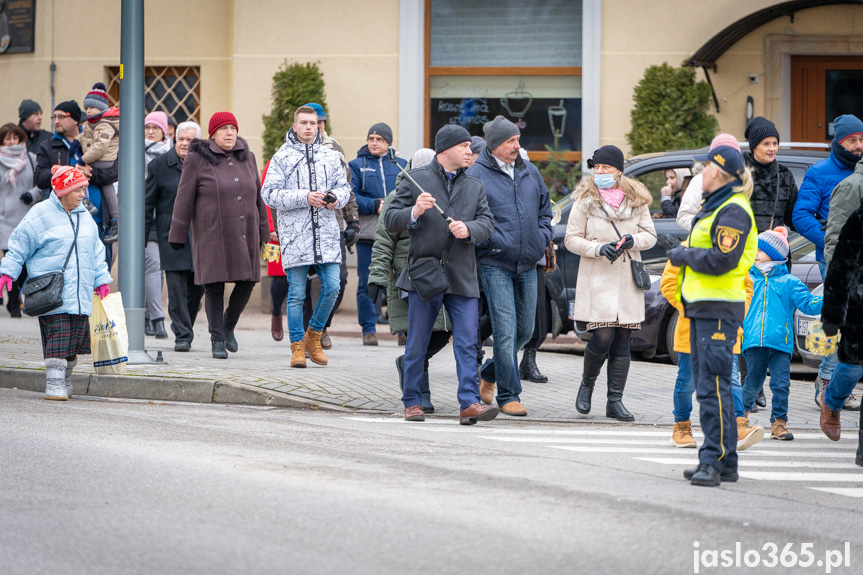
x=486 y=391
x=298 y=354
x=276 y=328
x=748 y=436
x=313 y=346
x=681 y=436
x=830 y=423
x=326 y=342
x=779 y=431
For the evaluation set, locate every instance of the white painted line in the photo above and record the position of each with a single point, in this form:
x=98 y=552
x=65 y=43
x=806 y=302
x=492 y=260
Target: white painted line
x=846 y=491
x=802 y=476
x=760 y=448
x=754 y=463
x=669 y=450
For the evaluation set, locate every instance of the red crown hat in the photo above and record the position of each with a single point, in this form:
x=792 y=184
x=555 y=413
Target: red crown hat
x=66 y=179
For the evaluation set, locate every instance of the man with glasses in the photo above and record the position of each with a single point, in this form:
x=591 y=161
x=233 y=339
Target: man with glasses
x=373 y=176
x=63 y=150
x=814 y=209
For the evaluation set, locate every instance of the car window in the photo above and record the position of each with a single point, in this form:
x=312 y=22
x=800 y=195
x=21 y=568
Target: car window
x=802 y=250
x=655 y=181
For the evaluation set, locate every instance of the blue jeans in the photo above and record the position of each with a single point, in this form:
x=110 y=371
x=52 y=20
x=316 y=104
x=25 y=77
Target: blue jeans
x=329 y=276
x=845 y=377
x=366 y=315
x=464 y=313
x=828 y=362
x=511 y=301
x=684 y=387
x=758 y=359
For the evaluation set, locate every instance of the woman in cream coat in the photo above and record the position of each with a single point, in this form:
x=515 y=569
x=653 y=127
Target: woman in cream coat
x=606 y=297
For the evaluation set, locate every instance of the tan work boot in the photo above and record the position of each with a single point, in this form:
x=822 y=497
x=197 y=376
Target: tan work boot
x=748 y=436
x=313 y=346
x=779 y=431
x=682 y=435
x=486 y=391
x=298 y=354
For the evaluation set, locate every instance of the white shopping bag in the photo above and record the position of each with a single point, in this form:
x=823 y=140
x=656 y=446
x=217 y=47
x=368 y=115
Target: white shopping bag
x=109 y=340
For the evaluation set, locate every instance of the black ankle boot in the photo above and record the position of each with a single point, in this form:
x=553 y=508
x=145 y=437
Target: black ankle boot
x=159 y=329
x=231 y=341
x=148 y=328
x=618 y=370
x=527 y=369
x=219 y=351
x=426 y=393
x=592 y=366
x=400 y=367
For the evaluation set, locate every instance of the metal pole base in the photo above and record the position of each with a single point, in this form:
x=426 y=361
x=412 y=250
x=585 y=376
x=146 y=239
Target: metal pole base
x=141 y=357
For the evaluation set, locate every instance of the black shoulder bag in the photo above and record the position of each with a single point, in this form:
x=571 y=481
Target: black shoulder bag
x=639 y=272
x=45 y=293
x=427 y=274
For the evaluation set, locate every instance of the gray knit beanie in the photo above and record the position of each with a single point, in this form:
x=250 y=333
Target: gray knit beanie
x=27 y=108
x=498 y=131
x=449 y=136
x=382 y=130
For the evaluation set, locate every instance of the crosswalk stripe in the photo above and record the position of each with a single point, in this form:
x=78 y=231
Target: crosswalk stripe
x=846 y=491
x=743 y=462
x=802 y=476
x=669 y=449
x=624 y=442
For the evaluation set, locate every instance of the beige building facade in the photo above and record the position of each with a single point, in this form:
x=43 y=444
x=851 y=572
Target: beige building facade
x=400 y=61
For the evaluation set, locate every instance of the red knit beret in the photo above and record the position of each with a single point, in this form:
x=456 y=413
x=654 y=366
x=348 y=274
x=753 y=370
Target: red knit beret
x=220 y=119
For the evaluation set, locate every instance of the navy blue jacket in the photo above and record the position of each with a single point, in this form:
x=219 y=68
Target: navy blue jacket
x=522 y=214
x=372 y=178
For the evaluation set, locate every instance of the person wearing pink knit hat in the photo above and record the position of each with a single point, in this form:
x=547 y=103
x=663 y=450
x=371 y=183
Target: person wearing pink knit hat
x=690 y=203
x=44 y=242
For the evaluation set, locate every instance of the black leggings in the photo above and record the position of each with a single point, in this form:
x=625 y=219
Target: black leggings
x=611 y=340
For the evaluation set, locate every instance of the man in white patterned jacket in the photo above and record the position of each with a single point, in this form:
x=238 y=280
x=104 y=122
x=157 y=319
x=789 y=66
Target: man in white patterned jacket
x=305 y=184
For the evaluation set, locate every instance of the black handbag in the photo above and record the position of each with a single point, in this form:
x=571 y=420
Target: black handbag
x=45 y=293
x=639 y=272
x=427 y=275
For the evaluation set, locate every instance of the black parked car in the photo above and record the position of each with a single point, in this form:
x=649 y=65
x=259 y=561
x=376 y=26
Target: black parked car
x=656 y=335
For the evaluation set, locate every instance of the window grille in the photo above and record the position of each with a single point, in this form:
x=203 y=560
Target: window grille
x=175 y=90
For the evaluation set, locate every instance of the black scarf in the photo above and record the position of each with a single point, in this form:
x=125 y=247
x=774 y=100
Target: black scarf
x=844 y=155
x=313 y=186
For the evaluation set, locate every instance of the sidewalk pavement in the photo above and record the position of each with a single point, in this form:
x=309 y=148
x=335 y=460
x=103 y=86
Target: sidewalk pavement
x=358 y=378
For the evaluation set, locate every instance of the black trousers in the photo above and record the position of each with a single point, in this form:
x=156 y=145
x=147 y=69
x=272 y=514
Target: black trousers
x=712 y=354
x=219 y=318
x=540 y=326
x=184 y=299
x=309 y=303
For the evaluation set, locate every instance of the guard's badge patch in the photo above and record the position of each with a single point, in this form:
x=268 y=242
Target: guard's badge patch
x=727 y=238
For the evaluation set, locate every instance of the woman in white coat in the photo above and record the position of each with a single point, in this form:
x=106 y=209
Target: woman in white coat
x=609 y=224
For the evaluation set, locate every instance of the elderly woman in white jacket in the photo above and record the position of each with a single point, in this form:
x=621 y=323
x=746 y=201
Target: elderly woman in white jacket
x=609 y=224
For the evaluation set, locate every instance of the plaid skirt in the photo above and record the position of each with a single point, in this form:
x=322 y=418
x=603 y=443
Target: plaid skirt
x=64 y=334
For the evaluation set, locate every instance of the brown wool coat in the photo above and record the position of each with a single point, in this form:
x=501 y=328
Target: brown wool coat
x=219 y=197
x=605 y=291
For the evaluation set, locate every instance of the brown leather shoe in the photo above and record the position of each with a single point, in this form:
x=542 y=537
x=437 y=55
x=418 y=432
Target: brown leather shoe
x=415 y=413
x=370 y=339
x=830 y=424
x=276 y=328
x=514 y=408
x=298 y=354
x=476 y=412
x=486 y=391
x=326 y=342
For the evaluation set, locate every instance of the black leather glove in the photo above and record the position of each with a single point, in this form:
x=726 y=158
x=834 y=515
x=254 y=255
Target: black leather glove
x=352 y=233
x=609 y=251
x=375 y=290
x=830 y=329
x=177 y=246
x=26 y=197
x=676 y=255
x=628 y=242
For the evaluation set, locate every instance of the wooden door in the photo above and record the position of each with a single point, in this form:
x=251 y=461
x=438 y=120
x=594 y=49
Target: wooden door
x=823 y=87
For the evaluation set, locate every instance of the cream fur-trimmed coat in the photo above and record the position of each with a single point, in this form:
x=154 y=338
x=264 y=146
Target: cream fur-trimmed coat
x=605 y=291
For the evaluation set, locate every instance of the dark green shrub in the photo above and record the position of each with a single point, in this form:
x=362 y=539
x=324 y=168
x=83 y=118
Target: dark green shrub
x=671 y=111
x=294 y=84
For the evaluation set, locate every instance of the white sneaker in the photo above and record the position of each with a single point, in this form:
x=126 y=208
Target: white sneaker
x=56 y=390
x=852 y=403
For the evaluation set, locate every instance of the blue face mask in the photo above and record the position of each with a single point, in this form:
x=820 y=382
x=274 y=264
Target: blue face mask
x=604 y=181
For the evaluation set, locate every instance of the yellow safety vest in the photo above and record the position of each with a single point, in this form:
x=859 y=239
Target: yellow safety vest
x=695 y=286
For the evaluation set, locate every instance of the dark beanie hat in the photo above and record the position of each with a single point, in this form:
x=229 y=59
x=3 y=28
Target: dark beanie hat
x=27 y=108
x=608 y=155
x=498 y=131
x=476 y=144
x=449 y=136
x=759 y=128
x=383 y=131
x=70 y=107
x=843 y=127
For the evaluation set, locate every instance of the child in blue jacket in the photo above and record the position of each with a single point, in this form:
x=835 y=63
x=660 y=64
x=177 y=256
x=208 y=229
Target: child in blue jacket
x=768 y=330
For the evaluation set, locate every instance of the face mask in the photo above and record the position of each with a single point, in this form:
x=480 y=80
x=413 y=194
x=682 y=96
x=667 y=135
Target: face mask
x=604 y=181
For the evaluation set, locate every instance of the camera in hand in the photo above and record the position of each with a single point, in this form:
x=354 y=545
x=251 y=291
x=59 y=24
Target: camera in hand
x=330 y=198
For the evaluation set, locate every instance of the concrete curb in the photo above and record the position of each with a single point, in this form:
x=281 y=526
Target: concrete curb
x=161 y=389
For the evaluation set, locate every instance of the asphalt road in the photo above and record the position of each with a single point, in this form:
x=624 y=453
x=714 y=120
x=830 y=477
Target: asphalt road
x=92 y=486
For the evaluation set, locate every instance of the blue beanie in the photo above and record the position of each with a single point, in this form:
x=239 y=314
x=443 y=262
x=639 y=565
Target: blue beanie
x=317 y=108
x=845 y=126
x=774 y=243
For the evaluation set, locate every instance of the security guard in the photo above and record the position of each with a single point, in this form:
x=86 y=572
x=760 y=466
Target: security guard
x=722 y=247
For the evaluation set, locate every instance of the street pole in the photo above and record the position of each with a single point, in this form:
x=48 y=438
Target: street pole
x=131 y=177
